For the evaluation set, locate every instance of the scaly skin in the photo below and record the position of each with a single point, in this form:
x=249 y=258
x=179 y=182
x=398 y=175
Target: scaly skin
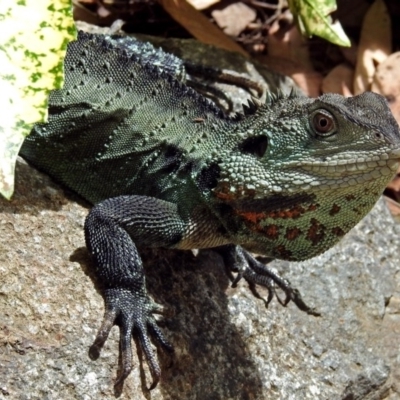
x=167 y=168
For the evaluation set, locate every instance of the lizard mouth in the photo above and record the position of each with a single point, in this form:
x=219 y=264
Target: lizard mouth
x=339 y=173
x=354 y=167
x=376 y=166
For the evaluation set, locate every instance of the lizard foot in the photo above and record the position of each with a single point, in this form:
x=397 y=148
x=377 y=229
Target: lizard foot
x=256 y=272
x=133 y=313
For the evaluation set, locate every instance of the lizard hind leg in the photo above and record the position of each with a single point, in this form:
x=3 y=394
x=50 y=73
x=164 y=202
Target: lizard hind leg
x=255 y=272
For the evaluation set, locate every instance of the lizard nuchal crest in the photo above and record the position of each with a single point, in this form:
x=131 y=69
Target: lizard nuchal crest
x=165 y=167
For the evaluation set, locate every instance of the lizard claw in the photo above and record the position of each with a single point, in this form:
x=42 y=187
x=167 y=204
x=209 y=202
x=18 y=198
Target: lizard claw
x=294 y=295
x=133 y=313
x=256 y=272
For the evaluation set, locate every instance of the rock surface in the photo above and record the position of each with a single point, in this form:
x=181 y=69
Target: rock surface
x=228 y=345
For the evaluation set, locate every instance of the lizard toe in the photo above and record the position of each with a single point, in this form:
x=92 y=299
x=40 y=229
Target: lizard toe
x=246 y=266
x=125 y=348
x=102 y=335
x=145 y=344
x=263 y=275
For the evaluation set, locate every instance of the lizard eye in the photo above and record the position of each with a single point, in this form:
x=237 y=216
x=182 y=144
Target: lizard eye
x=323 y=123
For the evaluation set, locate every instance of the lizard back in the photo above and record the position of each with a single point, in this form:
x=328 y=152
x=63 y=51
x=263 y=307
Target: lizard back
x=123 y=120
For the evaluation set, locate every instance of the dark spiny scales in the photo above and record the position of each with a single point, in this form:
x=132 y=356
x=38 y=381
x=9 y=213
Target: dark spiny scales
x=166 y=167
x=250 y=108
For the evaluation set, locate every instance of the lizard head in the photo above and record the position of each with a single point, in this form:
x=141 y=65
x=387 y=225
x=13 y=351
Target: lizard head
x=307 y=170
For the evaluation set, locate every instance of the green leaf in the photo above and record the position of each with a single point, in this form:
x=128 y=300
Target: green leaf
x=312 y=18
x=33 y=40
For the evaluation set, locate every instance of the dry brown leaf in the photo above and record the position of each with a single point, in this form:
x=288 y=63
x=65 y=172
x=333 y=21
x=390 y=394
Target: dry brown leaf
x=288 y=54
x=289 y=45
x=103 y=12
x=309 y=82
x=394 y=207
x=82 y=13
x=199 y=26
x=386 y=82
x=339 y=80
x=375 y=45
x=202 y=4
x=234 y=18
x=350 y=55
x=394 y=187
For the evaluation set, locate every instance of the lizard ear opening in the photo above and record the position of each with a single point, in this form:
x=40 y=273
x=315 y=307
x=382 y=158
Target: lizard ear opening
x=208 y=177
x=256 y=145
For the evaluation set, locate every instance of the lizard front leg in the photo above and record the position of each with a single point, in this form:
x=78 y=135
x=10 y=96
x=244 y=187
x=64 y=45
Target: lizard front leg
x=113 y=228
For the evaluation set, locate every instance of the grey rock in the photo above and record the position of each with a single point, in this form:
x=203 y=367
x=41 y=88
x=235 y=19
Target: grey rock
x=228 y=345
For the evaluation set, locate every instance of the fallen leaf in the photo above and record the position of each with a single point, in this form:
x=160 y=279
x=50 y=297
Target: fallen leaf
x=202 y=4
x=199 y=26
x=394 y=207
x=392 y=196
x=394 y=187
x=339 y=80
x=386 y=82
x=288 y=54
x=375 y=45
x=309 y=82
x=287 y=43
x=103 y=12
x=350 y=55
x=234 y=18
